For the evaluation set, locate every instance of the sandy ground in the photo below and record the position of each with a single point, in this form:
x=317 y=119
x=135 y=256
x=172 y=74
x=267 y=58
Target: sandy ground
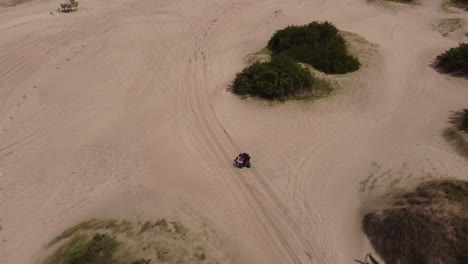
x=122 y=109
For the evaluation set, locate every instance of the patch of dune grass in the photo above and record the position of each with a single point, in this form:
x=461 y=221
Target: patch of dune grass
x=62 y=253
x=130 y=242
x=262 y=56
x=426 y=225
x=99 y=249
x=95 y=224
x=448 y=25
x=458 y=139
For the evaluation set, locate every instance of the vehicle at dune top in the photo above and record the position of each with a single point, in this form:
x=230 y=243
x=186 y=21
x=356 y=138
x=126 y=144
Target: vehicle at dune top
x=243 y=160
x=68 y=6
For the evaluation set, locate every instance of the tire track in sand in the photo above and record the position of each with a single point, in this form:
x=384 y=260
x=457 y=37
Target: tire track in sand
x=260 y=196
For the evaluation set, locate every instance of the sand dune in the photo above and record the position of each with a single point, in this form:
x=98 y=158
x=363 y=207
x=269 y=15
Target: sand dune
x=122 y=109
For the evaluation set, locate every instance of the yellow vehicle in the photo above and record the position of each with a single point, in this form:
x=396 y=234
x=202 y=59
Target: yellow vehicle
x=68 y=6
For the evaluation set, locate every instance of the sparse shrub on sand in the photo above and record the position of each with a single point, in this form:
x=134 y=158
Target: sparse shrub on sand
x=454 y=60
x=317 y=44
x=133 y=242
x=448 y=25
x=424 y=226
x=277 y=79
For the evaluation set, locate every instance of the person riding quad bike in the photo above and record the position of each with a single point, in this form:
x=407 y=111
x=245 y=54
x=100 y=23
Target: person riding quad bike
x=243 y=160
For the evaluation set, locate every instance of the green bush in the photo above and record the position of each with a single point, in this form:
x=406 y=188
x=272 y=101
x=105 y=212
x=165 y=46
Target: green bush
x=454 y=60
x=277 y=79
x=317 y=44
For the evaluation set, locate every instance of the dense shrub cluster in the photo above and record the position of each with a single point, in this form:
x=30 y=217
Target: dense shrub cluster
x=317 y=44
x=454 y=60
x=273 y=80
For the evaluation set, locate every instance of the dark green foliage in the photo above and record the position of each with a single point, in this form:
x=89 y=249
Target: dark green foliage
x=454 y=60
x=277 y=79
x=462 y=3
x=464 y=122
x=98 y=250
x=425 y=226
x=317 y=44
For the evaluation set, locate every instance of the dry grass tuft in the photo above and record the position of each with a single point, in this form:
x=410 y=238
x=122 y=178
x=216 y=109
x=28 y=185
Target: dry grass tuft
x=448 y=25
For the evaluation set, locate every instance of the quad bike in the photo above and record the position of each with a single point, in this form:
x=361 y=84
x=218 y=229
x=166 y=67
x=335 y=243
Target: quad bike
x=243 y=160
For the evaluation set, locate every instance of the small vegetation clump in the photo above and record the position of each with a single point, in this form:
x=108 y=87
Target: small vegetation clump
x=457 y=134
x=99 y=249
x=317 y=44
x=423 y=226
x=458 y=139
x=277 y=79
x=454 y=60
x=449 y=25
x=125 y=242
x=464 y=121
